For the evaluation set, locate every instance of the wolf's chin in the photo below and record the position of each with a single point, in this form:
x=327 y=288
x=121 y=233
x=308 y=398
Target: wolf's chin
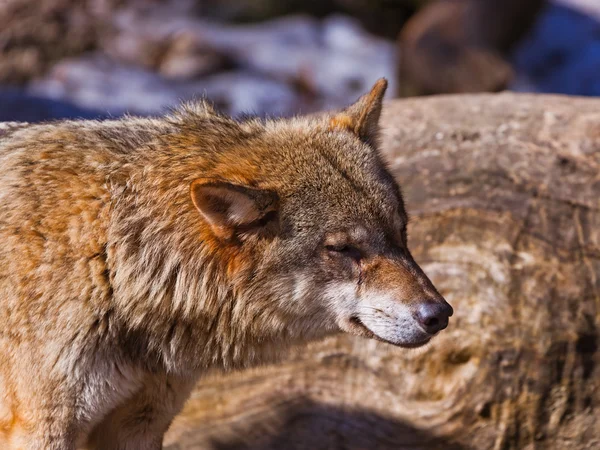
x=359 y=328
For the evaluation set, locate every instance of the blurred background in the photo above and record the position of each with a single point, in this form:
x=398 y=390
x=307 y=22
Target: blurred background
x=103 y=58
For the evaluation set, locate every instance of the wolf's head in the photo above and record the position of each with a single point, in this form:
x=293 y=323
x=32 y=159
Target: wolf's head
x=317 y=226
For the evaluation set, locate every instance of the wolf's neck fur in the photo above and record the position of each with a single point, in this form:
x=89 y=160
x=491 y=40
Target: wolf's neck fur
x=190 y=301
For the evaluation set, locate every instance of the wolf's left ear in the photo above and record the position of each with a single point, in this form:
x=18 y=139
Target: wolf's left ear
x=229 y=208
x=362 y=118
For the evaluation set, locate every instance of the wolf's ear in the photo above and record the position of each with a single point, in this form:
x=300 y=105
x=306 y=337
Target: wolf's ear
x=231 y=208
x=362 y=118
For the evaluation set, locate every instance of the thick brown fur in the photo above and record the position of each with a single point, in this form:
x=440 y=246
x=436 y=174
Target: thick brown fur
x=138 y=253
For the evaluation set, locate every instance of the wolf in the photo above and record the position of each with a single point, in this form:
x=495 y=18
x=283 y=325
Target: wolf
x=137 y=254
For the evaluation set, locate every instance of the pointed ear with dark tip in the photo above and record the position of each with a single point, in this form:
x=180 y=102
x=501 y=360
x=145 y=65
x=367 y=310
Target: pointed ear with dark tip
x=229 y=208
x=362 y=118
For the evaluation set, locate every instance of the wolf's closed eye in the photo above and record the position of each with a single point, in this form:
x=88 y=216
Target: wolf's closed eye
x=347 y=250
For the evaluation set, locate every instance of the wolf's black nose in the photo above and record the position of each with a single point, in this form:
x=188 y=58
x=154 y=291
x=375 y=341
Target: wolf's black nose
x=433 y=317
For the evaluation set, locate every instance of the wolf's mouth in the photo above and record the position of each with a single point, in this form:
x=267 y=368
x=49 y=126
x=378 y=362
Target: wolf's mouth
x=362 y=330
x=357 y=323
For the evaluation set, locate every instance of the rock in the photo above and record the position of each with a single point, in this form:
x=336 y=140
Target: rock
x=459 y=46
x=504 y=192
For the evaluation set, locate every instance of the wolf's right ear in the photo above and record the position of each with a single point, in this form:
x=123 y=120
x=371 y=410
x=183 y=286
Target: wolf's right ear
x=362 y=118
x=230 y=208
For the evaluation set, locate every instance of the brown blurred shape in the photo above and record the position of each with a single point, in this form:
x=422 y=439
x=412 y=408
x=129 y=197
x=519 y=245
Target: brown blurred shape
x=454 y=46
